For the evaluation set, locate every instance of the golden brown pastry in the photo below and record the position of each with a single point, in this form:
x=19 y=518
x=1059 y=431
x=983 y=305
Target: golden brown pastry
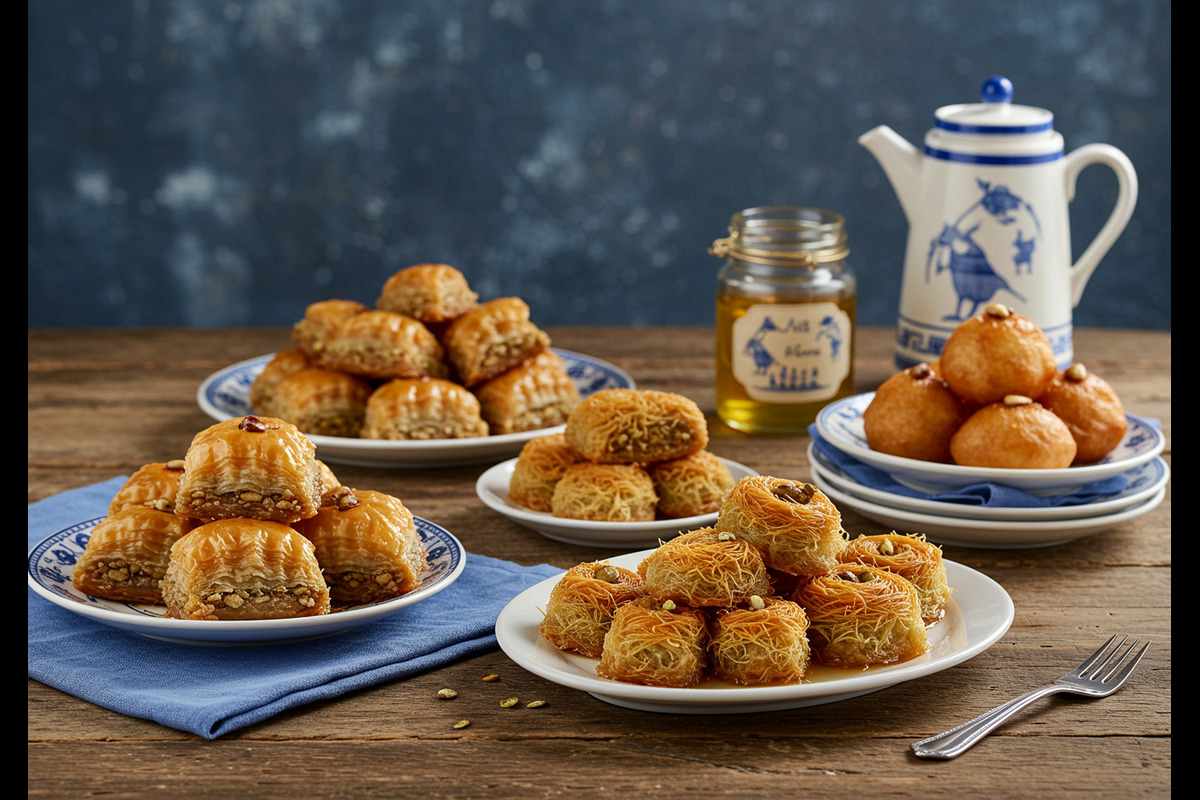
x=1017 y=433
x=492 y=338
x=1090 y=408
x=634 y=425
x=795 y=526
x=535 y=394
x=321 y=321
x=254 y=467
x=910 y=557
x=381 y=345
x=323 y=401
x=154 y=485
x=539 y=466
x=997 y=352
x=329 y=481
x=860 y=615
x=244 y=569
x=281 y=365
x=127 y=554
x=604 y=493
x=913 y=415
x=691 y=485
x=367 y=545
x=432 y=293
x=704 y=568
x=655 y=644
x=763 y=641
x=422 y=408
x=580 y=609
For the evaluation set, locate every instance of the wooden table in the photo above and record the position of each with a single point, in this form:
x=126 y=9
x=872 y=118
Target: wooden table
x=102 y=403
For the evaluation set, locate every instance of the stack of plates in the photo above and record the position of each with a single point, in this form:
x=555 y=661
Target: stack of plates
x=1027 y=508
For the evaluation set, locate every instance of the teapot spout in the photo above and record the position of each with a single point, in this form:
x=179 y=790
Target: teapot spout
x=901 y=162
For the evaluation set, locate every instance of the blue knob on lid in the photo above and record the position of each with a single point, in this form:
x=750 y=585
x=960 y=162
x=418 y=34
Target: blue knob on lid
x=997 y=89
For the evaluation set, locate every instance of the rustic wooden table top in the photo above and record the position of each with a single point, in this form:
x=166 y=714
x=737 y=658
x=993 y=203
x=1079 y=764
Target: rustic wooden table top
x=103 y=403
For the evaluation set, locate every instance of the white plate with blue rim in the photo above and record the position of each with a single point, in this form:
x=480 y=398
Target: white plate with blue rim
x=52 y=560
x=226 y=394
x=1141 y=483
x=840 y=424
x=980 y=612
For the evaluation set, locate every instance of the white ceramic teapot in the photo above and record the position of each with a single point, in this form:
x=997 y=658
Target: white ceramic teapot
x=986 y=203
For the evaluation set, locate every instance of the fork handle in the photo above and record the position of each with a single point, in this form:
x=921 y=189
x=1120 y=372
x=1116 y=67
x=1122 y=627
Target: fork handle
x=960 y=738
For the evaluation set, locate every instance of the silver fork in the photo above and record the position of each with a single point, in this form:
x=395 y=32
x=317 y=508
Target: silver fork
x=1100 y=674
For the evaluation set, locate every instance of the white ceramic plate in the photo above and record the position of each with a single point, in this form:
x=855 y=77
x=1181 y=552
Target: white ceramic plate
x=492 y=488
x=226 y=393
x=979 y=614
x=1142 y=483
x=984 y=533
x=51 y=561
x=840 y=424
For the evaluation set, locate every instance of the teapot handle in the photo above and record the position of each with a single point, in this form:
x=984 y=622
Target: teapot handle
x=1127 y=189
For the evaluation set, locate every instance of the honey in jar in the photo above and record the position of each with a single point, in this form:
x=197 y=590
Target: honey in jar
x=786 y=301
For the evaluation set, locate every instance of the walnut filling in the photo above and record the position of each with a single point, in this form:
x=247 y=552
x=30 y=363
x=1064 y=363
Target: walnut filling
x=361 y=587
x=640 y=442
x=259 y=603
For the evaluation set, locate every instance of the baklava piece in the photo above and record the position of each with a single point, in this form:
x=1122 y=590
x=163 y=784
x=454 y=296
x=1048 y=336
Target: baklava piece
x=127 y=555
x=321 y=322
x=381 y=345
x=533 y=395
x=433 y=293
x=538 y=469
x=244 y=569
x=704 y=568
x=617 y=426
x=604 y=493
x=655 y=643
x=152 y=485
x=425 y=408
x=692 y=485
x=582 y=604
x=282 y=364
x=323 y=401
x=492 y=338
x=909 y=556
x=763 y=641
x=254 y=467
x=367 y=544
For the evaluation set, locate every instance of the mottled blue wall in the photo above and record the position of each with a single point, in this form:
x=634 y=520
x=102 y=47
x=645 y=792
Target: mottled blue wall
x=226 y=163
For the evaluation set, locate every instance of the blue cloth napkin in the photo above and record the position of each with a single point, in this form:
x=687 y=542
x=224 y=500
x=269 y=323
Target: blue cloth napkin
x=979 y=494
x=210 y=691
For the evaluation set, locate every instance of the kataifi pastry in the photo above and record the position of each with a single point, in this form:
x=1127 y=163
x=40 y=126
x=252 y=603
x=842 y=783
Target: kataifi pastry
x=913 y=415
x=367 y=544
x=381 y=345
x=535 y=394
x=153 y=485
x=859 y=616
x=539 y=467
x=617 y=426
x=321 y=320
x=127 y=554
x=995 y=353
x=253 y=467
x=604 y=493
x=909 y=556
x=432 y=293
x=581 y=606
x=326 y=402
x=655 y=643
x=1016 y=433
x=689 y=486
x=492 y=338
x=795 y=526
x=1091 y=409
x=422 y=408
x=763 y=641
x=281 y=365
x=704 y=568
x=244 y=569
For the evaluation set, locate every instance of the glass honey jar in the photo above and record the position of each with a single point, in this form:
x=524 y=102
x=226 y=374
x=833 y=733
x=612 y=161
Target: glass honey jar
x=786 y=304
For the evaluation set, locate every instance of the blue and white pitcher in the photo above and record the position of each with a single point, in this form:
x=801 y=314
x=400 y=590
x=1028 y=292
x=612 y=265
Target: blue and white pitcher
x=986 y=203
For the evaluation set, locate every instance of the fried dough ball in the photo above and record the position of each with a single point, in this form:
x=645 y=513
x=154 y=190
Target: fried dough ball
x=582 y=603
x=704 y=568
x=1017 y=433
x=655 y=644
x=763 y=642
x=1091 y=410
x=997 y=352
x=913 y=415
x=604 y=493
x=795 y=526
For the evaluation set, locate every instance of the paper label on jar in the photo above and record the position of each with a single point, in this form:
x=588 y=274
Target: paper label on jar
x=791 y=353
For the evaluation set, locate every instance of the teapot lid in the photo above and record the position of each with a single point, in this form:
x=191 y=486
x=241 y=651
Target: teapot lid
x=996 y=115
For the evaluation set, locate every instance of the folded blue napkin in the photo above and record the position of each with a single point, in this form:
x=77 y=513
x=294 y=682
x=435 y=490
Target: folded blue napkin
x=978 y=494
x=210 y=691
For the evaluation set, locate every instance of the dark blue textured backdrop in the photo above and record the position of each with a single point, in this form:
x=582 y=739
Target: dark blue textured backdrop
x=209 y=164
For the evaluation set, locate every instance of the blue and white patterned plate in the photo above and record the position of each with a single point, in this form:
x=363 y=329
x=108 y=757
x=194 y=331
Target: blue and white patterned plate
x=226 y=393
x=840 y=423
x=51 y=563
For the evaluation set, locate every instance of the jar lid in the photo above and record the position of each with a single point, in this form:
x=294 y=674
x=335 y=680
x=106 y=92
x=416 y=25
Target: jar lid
x=996 y=115
x=784 y=236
